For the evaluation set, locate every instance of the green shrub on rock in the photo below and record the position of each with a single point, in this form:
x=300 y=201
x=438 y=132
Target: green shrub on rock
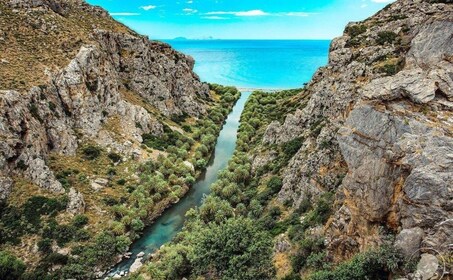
x=11 y=268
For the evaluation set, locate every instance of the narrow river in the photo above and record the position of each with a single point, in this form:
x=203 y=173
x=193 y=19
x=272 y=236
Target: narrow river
x=172 y=220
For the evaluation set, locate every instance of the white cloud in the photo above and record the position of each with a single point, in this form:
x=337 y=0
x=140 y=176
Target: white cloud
x=124 y=14
x=148 y=7
x=295 y=14
x=255 y=13
x=251 y=13
x=190 y=2
x=215 y=18
x=189 y=11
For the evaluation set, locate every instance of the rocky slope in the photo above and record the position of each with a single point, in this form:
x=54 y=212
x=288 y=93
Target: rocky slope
x=378 y=131
x=101 y=130
x=66 y=69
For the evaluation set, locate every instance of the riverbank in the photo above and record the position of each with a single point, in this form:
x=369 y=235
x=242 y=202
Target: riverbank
x=171 y=221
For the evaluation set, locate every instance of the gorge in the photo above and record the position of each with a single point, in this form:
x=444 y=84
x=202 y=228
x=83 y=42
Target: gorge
x=113 y=144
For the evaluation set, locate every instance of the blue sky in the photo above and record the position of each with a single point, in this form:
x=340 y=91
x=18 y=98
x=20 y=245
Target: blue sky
x=240 y=19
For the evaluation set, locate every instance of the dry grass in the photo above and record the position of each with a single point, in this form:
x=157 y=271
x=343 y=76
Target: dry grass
x=282 y=264
x=38 y=41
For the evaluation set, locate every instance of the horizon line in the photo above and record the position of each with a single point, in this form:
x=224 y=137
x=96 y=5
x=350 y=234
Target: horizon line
x=236 y=39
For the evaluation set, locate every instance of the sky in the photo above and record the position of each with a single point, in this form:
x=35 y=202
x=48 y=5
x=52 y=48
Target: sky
x=240 y=19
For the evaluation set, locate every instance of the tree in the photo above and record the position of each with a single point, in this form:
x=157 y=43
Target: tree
x=235 y=249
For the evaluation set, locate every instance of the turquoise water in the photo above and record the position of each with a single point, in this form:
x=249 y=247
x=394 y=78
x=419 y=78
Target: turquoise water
x=266 y=64
x=245 y=64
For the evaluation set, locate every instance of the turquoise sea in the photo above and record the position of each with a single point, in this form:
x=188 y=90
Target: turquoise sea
x=266 y=64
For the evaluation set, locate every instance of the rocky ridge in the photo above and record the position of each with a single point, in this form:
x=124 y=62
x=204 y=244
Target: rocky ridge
x=377 y=131
x=107 y=75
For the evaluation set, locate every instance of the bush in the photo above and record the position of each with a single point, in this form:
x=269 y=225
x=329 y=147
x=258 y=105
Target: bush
x=79 y=220
x=392 y=67
x=356 y=30
x=121 y=182
x=40 y=205
x=236 y=249
x=91 y=152
x=292 y=147
x=114 y=157
x=308 y=250
x=275 y=184
x=45 y=246
x=34 y=111
x=11 y=268
x=386 y=37
x=374 y=264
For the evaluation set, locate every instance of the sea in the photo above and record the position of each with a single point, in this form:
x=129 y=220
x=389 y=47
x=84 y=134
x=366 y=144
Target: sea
x=256 y=64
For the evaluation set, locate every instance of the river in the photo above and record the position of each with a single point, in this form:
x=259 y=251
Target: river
x=172 y=220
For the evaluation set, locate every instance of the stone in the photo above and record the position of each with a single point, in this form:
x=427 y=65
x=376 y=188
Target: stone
x=136 y=265
x=141 y=255
x=76 y=204
x=101 y=181
x=6 y=185
x=97 y=187
x=282 y=244
x=427 y=266
x=408 y=241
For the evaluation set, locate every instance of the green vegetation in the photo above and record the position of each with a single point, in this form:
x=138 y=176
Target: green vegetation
x=91 y=152
x=128 y=203
x=386 y=37
x=391 y=67
x=230 y=235
x=234 y=249
x=238 y=209
x=356 y=30
x=374 y=264
x=11 y=268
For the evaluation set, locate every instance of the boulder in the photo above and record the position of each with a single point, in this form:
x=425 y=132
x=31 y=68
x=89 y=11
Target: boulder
x=76 y=204
x=427 y=266
x=408 y=241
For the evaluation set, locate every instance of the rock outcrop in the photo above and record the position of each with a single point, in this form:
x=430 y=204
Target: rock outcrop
x=101 y=73
x=378 y=131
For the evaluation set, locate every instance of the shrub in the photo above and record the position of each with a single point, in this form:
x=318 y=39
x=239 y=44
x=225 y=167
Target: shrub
x=40 y=205
x=45 y=246
x=236 y=249
x=386 y=37
x=91 y=152
x=80 y=220
x=308 y=250
x=392 y=67
x=292 y=147
x=21 y=165
x=63 y=234
x=34 y=111
x=374 y=264
x=114 y=157
x=356 y=30
x=11 y=268
x=275 y=184
x=121 y=182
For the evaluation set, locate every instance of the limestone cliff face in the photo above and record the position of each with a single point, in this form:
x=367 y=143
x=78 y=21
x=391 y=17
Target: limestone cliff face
x=378 y=131
x=67 y=70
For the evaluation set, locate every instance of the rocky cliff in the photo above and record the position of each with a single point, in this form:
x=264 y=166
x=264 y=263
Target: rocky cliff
x=378 y=132
x=67 y=70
